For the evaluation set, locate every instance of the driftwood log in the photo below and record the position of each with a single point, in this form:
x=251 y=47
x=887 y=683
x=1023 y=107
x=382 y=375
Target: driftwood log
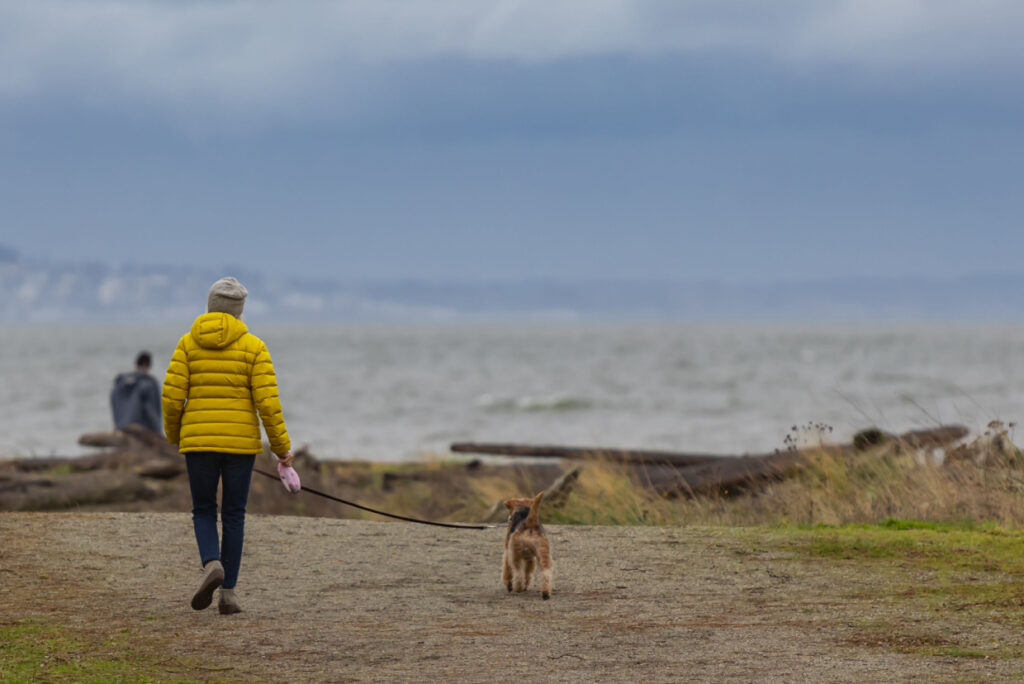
x=124 y=472
x=583 y=453
x=72 y=465
x=725 y=476
x=31 y=493
x=130 y=438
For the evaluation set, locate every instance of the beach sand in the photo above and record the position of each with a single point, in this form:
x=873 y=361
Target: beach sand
x=348 y=600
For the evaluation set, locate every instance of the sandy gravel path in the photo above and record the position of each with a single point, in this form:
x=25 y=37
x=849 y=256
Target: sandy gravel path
x=337 y=600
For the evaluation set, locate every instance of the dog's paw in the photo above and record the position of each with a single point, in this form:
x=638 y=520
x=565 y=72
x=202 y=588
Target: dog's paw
x=545 y=595
x=509 y=585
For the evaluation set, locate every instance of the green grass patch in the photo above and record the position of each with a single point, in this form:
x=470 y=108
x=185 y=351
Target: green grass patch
x=957 y=652
x=32 y=651
x=937 y=588
x=943 y=547
x=970 y=572
x=894 y=524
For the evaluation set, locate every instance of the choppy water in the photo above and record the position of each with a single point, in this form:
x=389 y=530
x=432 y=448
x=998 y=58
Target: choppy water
x=390 y=393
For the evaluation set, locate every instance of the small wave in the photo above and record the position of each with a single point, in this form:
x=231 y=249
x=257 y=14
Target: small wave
x=556 y=403
x=490 y=402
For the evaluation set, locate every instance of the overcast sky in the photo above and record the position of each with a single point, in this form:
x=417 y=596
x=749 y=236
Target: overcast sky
x=727 y=140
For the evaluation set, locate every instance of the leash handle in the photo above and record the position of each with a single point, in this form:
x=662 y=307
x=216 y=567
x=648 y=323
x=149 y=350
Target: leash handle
x=289 y=478
x=457 y=526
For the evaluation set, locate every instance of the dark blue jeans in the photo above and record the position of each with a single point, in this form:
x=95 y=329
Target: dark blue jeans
x=205 y=470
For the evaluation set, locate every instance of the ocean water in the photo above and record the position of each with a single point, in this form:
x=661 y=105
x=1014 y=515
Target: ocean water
x=391 y=393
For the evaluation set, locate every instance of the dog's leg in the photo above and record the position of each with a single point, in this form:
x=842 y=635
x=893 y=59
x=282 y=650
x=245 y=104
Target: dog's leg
x=506 y=570
x=547 y=569
x=519 y=575
x=528 y=565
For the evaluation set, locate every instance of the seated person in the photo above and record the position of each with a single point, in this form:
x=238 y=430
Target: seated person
x=135 y=397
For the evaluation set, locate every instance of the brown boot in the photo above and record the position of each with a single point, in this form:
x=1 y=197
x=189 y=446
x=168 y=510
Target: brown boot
x=228 y=602
x=213 y=575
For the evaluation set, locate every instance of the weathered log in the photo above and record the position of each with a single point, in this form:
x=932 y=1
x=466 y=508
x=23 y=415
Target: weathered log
x=729 y=476
x=131 y=437
x=934 y=437
x=68 y=491
x=578 y=453
x=161 y=468
x=74 y=465
x=108 y=439
x=915 y=439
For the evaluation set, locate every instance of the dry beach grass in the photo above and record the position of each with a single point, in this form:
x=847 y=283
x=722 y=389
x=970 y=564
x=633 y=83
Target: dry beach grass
x=980 y=480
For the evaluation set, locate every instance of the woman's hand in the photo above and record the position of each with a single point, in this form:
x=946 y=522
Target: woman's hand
x=287 y=459
x=289 y=478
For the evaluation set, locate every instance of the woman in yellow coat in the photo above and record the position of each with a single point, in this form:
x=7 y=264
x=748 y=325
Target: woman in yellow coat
x=219 y=386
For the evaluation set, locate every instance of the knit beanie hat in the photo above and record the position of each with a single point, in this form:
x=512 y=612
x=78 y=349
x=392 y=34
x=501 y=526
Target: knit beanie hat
x=227 y=295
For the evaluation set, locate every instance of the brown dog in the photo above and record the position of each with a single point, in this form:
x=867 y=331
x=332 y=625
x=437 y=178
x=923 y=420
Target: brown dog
x=525 y=547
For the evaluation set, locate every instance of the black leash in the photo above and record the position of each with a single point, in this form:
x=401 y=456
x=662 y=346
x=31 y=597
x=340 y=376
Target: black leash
x=457 y=526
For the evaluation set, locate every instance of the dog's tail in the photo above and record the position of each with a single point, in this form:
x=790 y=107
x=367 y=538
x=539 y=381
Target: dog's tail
x=531 y=519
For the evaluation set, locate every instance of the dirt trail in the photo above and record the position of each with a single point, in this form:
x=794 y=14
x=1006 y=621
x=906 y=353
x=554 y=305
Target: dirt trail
x=340 y=600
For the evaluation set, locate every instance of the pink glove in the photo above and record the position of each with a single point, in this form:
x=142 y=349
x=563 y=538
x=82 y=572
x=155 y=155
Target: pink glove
x=289 y=478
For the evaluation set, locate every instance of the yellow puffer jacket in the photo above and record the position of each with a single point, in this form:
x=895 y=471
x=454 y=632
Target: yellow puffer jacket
x=219 y=377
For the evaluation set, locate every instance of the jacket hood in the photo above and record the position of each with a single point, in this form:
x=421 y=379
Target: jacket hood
x=217 y=330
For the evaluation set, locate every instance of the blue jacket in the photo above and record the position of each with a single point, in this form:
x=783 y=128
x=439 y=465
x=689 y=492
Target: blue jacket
x=135 y=398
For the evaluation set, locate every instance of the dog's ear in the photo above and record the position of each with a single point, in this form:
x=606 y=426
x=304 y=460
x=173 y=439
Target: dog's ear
x=509 y=505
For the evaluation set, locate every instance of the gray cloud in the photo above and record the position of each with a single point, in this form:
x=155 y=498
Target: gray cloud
x=231 y=56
